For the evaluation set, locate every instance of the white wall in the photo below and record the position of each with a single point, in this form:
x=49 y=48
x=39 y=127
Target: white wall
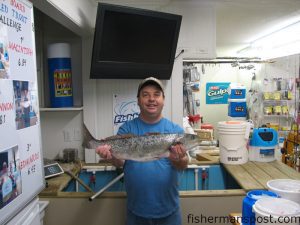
x=213 y=113
x=53 y=126
x=285 y=68
x=197 y=37
x=198 y=29
x=79 y=210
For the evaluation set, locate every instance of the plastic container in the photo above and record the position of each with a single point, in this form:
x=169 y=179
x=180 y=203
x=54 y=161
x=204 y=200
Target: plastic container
x=233 y=137
x=252 y=196
x=60 y=75
x=286 y=188
x=236 y=91
x=263 y=144
x=237 y=107
x=270 y=211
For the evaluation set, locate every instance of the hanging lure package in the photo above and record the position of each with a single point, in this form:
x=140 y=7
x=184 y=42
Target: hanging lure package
x=277 y=110
x=277 y=95
x=267 y=96
x=285 y=110
x=268 y=110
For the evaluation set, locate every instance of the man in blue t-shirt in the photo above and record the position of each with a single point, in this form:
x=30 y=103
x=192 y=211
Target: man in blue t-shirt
x=152 y=187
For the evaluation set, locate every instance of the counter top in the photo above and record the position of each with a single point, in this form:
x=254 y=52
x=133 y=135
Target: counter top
x=250 y=176
x=58 y=183
x=255 y=175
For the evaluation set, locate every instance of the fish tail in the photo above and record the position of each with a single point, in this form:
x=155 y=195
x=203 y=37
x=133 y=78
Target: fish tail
x=87 y=137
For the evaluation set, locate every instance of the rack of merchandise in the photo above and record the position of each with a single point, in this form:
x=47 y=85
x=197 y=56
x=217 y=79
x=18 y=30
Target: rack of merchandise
x=278 y=113
x=279 y=105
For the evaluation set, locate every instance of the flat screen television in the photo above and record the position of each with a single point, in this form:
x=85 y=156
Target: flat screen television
x=131 y=43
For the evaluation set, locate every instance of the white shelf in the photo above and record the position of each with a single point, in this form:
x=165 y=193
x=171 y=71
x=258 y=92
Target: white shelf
x=80 y=108
x=279 y=100
x=275 y=116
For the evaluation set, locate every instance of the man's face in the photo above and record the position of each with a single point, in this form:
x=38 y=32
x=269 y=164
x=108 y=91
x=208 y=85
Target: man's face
x=151 y=101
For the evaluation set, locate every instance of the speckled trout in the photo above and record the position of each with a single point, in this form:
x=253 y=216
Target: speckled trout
x=141 y=148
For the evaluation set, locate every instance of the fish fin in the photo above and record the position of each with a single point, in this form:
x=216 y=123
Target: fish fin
x=114 y=137
x=152 y=133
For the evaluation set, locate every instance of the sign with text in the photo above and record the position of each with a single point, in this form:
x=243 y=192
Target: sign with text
x=217 y=93
x=124 y=109
x=21 y=166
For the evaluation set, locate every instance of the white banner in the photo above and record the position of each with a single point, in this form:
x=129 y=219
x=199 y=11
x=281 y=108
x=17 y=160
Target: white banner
x=124 y=109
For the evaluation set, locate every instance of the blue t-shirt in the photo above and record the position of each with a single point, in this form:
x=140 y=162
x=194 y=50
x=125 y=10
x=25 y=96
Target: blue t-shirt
x=152 y=187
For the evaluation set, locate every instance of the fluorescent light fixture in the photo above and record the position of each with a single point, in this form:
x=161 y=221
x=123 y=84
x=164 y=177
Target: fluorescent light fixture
x=282 y=42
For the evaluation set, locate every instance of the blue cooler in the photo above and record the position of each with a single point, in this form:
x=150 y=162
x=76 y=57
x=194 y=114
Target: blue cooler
x=237 y=107
x=248 y=216
x=262 y=144
x=236 y=91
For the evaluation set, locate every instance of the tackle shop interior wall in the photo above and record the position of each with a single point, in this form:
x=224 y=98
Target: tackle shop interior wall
x=221 y=72
x=194 y=36
x=98 y=94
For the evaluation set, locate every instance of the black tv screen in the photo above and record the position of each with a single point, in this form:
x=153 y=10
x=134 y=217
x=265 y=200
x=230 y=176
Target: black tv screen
x=131 y=43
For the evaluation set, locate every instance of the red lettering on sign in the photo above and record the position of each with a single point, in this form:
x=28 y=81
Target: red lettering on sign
x=17 y=5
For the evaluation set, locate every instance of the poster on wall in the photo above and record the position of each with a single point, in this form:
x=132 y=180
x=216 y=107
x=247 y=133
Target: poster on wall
x=217 y=93
x=124 y=109
x=21 y=166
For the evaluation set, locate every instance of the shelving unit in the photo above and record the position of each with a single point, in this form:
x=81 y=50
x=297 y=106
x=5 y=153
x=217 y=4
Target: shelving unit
x=278 y=113
x=58 y=125
x=61 y=109
x=47 y=32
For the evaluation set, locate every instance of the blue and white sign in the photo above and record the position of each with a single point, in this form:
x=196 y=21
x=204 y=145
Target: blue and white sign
x=124 y=109
x=217 y=93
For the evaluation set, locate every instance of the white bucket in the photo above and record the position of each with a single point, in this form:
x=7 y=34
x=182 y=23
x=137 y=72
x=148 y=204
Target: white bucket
x=286 y=188
x=272 y=211
x=233 y=137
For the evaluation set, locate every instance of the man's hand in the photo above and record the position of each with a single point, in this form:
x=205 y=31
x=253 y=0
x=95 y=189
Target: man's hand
x=104 y=151
x=178 y=156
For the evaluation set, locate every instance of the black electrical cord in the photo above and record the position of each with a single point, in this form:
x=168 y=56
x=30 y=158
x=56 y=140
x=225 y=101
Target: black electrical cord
x=182 y=51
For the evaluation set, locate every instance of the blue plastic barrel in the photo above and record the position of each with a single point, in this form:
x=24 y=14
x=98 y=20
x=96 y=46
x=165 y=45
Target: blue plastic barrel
x=60 y=75
x=248 y=216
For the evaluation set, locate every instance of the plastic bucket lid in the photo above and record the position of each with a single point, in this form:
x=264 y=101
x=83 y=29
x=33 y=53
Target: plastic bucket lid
x=258 y=194
x=286 y=185
x=232 y=124
x=277 y=207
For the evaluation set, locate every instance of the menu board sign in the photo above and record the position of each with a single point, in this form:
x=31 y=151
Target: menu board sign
x=21 y=167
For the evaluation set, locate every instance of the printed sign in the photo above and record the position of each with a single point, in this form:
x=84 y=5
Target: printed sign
x=124 y=109
x=21 y=161
x=217 y=93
